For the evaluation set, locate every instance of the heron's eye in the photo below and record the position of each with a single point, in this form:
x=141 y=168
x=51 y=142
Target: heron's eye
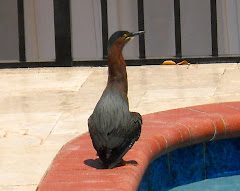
x=125 y=35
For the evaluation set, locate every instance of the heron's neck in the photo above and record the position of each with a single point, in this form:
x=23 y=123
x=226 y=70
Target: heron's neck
x=117 y=73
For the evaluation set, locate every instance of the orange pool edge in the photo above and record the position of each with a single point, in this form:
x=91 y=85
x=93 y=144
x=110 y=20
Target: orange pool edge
x=76 y=166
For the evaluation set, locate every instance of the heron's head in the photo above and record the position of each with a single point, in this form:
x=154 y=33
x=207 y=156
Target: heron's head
x=120 y=38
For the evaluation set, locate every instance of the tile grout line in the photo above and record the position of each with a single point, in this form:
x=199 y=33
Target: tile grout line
x=141 y=99
x=231 y=106
x=214 y=93
x=211 y=114
x=91 y=71
x=54 y=126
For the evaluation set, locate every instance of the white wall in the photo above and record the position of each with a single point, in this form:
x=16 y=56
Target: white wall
x=228 y=26
x=86 y=29
x=8 y=30
x=196 y=27
x=159 y=27
x=122 y=15
x=39 y=30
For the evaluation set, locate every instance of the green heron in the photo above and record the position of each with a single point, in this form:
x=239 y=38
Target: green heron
x=113 y=128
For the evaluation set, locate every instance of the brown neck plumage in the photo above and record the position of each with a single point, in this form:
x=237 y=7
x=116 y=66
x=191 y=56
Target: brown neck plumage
x=117 y=73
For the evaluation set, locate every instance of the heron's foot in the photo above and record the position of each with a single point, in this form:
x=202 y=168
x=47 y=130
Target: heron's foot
x=124 y=163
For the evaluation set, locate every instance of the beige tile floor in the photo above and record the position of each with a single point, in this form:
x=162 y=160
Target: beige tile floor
x=42 y=109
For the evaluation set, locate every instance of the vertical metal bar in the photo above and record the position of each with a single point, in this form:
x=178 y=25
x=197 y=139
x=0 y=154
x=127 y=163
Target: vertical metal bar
x=141 y=28
x=62 y=25
x=177 y=17
x=214 y=27
x=104 y=27
x=21 y=31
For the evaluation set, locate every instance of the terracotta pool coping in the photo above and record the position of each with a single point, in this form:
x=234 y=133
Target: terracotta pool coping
x=76 y=166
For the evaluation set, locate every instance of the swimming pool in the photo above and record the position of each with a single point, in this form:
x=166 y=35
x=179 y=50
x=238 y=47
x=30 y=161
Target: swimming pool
x=197 y=167
x=231 y=183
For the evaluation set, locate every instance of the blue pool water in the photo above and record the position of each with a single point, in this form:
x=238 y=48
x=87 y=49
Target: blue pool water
x=196 y=167
x=230 y=183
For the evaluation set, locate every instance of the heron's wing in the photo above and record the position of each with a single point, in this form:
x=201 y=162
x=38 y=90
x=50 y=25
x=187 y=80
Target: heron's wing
x=121 y=141
x=99 y=138
x=125 y=136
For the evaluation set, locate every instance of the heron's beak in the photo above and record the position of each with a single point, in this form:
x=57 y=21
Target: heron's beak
x=137 y=33
x=132 y=35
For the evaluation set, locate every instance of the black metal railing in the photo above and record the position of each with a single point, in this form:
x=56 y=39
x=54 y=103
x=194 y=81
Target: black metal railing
x=21 y=32
x=62 y=26
x=104 y=27
x=141 y=28
x=214 y=32
x=177 y=21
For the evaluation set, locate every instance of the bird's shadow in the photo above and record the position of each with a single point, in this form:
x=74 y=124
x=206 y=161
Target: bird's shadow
x=97 y=163
x=94 y=163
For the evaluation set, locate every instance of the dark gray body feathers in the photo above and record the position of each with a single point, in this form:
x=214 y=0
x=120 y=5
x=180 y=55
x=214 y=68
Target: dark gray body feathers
x=113 y=128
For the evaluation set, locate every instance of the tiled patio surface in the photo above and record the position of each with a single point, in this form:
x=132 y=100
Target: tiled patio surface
x=43 y=109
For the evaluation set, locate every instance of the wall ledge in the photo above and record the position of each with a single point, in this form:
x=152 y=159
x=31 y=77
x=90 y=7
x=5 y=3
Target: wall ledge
x=76 y=166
